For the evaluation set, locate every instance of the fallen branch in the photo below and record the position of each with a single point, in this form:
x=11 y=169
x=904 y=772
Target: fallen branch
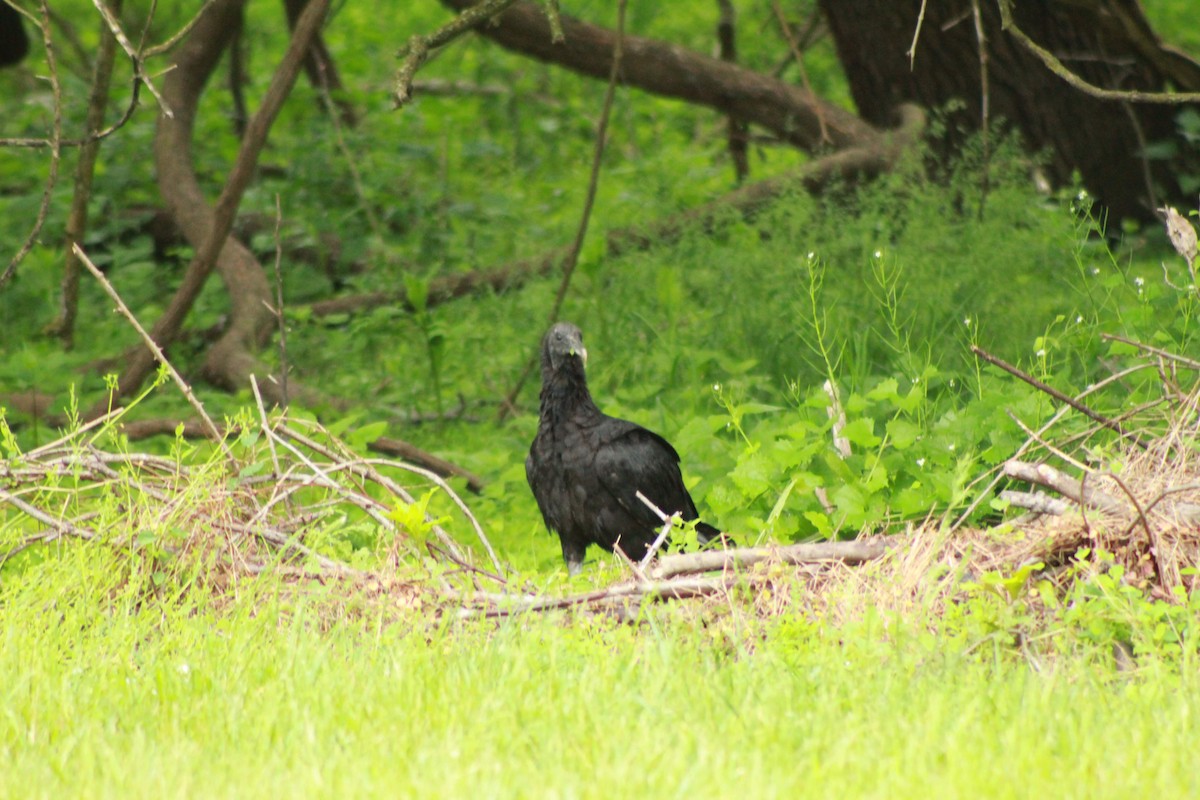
x=809 y=553
x=1037 y=502
x=503 y=605
x=1048 y=476
x=410 y=452
x=792 y=113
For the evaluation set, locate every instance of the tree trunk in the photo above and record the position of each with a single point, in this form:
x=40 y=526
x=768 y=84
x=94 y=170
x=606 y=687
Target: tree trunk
x=1108 y=43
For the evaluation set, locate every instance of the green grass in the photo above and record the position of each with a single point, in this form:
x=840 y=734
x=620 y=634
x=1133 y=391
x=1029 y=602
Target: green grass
x=106 y=697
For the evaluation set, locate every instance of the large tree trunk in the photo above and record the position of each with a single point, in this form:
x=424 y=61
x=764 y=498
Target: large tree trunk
x=1108 y=43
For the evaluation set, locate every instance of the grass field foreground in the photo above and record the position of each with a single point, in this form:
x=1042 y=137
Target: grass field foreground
x=271 y=697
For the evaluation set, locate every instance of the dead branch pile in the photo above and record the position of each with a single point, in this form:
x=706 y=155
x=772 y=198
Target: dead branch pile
x=260 y=503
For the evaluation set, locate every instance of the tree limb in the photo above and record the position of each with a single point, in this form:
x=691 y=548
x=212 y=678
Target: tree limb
x=792 y=113
x=1048 y=476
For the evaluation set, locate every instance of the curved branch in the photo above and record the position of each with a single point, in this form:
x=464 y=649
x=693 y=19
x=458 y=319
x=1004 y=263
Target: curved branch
x=792 y=113
x=1058 y=68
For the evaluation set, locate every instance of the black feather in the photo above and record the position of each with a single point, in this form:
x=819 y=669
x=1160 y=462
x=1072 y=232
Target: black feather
x=585 y=467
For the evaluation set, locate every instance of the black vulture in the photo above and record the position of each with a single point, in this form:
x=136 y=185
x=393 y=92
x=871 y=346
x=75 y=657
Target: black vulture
x=14 y=44
x=585 y=467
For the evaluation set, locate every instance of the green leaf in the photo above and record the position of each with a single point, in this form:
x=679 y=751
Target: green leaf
x=885 y=390
x=902 y=433
x=861 y=432
x=820 y=522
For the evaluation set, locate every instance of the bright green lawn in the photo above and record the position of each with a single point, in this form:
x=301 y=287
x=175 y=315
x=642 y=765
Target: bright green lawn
x=188 y=704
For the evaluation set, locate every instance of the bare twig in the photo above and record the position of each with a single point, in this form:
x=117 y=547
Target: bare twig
x=984 y=103
x=159 y=355
x=1151 y=537
x=1059 y=396
x=798 y=57
x=1190 y=363
x=912 y=48
x=278 y=310
x=409 y=452
x=418 y=48
x=502 y=605
x=668 y=523
x=177 y=37
x=139 y=64
x=736 y=129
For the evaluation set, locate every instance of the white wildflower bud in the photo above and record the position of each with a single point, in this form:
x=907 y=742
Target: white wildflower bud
x=1181 y=233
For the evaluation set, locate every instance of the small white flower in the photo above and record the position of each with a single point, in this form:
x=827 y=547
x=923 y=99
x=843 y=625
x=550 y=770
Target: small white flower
x=812 y=256
x=879 y=254
x=716 y=387
x=1095 y=270
x=950 y=447
x=1079 y=319
x=1041 y=353
x=920 y=462
x=967 y=321
x=1140 y=282
x=184 y=669
x=1082 y=194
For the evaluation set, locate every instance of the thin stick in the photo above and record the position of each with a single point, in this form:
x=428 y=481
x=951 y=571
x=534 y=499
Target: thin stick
x=1032 y=434
x=154 y=348
x=283 y=364
x=1188 y=362
x=668 y=523
x=672 y=589
x=64 y=326
x=1037 y=502
x=1150 y=535
x=262 y=415
x=44 y=518
x=984 y=116
x=798 y=57
x=1057 y=395
x=416 y=51
x=912 y=48
x=138 y=64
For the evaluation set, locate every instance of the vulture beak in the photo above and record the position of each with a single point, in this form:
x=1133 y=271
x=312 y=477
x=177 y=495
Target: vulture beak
x=582 y=353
